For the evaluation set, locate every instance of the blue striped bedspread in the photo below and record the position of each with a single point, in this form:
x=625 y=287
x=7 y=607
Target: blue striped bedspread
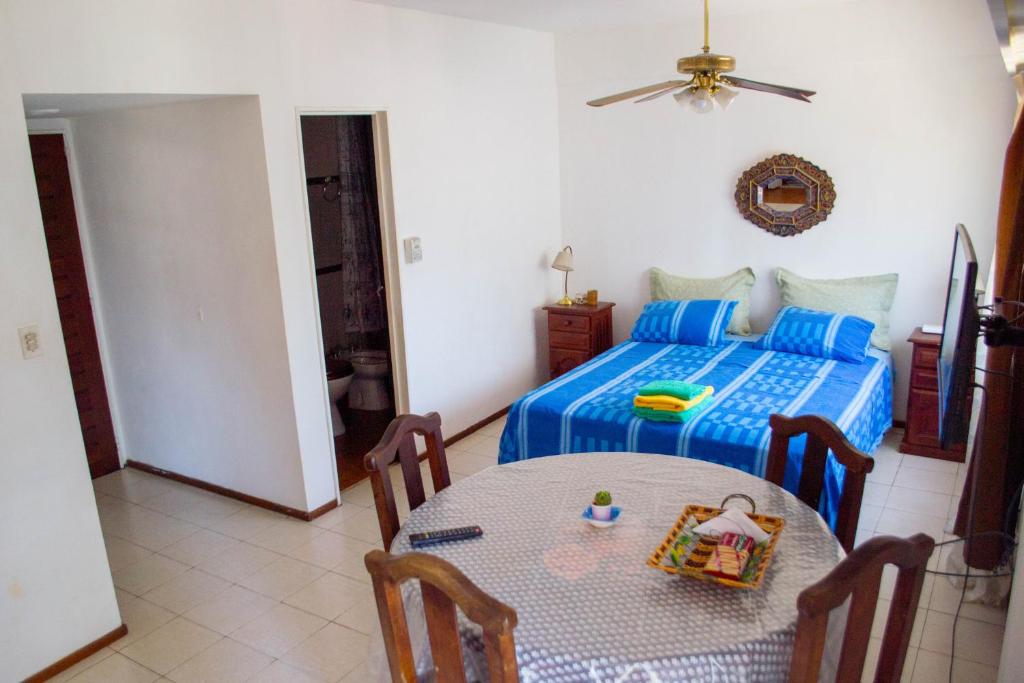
x=588 y=408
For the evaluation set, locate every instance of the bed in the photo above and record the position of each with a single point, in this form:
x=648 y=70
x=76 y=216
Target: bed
x=588 y=408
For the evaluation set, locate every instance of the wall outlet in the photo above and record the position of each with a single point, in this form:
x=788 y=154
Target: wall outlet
x=413 y=249
x=30 y=344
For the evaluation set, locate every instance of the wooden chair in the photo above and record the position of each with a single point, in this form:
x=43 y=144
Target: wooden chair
x=399 y=440
x=443 y=587
x=859 y=575
x=822 y=436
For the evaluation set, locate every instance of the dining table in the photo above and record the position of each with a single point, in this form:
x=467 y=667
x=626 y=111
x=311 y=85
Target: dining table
x=589 y=607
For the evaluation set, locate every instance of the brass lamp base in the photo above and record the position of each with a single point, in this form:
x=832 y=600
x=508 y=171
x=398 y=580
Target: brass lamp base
x=564 y=301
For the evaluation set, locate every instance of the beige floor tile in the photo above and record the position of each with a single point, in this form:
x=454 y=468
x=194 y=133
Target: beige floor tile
x=132 y=485
x=187 y=590
x=882 y=614
x=198 y=547
x=945 y=598
x=286 y=535
x=470 y=463
x=869 y=515
x=278 y=630
x=875 y=493
x=363 y=526
x=494 y=428
x=871 y=662
x=884 y=473
x=466 y=443
x=976 y=641
x=331 y=652
x=245 y=523
x=147 y=574
x=225 y=662
x=329 y=519
x=486 y=446
x=239 y=561
x=925 y=480
x=888 y=585
x=361 y=493
x=170 y=645
x=282 y=577
x=329 y=596
x=361 y=616
x=327 y=550
x=150 y=529
x=919 y=462
x=141 y=617
x=921 y=502
x=360 y=674
x=353 y=565
x=230 y=610
x=81 y=666
x=934 y=668
x=900 y=523
x=122 y=553
x=116 y=669
x=279 y=672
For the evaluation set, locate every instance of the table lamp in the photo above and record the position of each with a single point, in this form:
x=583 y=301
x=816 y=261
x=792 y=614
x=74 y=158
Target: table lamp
x=563 y=262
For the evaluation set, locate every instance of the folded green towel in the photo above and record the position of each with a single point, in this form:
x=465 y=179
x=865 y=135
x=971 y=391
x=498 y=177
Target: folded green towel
x=669 y=416
x=672 y=387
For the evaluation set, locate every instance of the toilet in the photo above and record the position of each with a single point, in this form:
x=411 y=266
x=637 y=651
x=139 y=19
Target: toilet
x=338 y=381
x=369 y=390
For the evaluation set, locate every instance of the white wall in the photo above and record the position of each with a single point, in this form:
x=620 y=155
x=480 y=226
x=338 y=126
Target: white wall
x=474 y=141
x=56 y=593
x=178 y=217
x=911 y=120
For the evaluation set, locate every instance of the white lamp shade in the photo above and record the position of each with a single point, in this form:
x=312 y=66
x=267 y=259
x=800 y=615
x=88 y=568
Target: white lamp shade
x=724 y=97
x=702 y=102
x=683 y=97
x=563 y=261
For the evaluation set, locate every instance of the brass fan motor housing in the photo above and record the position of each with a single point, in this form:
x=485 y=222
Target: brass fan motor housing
x=705 y=63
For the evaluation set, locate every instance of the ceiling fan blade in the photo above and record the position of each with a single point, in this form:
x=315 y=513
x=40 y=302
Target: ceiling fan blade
x=662 y=93
x=785 y=91
x=630 y=94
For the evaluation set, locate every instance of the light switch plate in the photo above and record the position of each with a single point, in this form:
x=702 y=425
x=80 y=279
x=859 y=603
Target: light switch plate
x=30 y=344
x=413 y=249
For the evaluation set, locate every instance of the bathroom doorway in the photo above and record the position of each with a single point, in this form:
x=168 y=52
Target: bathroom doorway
x=350 y=254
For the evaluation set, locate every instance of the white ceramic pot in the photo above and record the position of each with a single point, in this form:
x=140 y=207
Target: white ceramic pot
x=601 y=512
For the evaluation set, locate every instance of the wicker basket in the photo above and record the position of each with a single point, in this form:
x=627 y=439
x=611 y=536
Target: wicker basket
x=772 y=525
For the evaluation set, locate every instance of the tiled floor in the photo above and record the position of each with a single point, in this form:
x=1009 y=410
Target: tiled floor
x=215 y=590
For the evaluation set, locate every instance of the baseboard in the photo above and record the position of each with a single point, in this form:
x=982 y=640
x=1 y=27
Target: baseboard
x=475 y=426
x=237 y=495
x=65 y=663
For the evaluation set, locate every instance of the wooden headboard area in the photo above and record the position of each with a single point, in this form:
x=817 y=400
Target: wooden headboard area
x=998 y=455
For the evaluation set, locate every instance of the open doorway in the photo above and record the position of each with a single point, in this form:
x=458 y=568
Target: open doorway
x=340 y=156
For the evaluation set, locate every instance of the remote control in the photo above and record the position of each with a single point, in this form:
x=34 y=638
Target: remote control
x=432 y=537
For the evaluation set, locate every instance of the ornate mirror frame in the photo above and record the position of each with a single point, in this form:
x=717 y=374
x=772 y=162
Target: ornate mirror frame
x=820 y=192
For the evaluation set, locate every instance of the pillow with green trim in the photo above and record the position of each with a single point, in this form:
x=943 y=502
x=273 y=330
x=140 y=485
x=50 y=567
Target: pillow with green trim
x=736 y=287
x=868 y=297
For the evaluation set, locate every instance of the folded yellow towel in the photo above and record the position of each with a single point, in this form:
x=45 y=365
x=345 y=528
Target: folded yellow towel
x=671 y=403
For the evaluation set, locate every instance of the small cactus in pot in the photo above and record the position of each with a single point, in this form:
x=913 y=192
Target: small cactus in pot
x=601 y=508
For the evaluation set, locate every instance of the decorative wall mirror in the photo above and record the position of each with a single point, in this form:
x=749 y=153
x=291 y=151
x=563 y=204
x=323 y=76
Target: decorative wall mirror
x=785 y=195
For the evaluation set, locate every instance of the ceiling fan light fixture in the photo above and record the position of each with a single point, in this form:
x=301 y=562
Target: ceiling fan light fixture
x=701 y=101
x=684 y=96
x=724 y=96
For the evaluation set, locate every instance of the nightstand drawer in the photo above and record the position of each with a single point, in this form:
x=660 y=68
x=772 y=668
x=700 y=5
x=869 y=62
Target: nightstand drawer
x=569 y=323
x=927 y=379
x=569 y=340
x=926 y=358
x=562 y=361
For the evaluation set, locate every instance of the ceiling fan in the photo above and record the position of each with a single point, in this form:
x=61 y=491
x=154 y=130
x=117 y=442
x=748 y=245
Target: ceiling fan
x=707 y=82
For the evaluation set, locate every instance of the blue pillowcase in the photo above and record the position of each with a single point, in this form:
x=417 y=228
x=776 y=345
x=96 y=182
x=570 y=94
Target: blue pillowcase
x=817 y=333
x=697 y=322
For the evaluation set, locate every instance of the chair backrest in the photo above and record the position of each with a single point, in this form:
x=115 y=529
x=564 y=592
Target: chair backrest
x=443 y=587
x=822 y=436
x=859 y=576
x=399 y=439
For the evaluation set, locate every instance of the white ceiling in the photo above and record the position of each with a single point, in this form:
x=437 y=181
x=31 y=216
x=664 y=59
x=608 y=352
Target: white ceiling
x=38 y=105
x=587 y=15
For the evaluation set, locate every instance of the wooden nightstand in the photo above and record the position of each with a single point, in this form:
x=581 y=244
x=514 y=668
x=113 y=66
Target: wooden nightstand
x=576 y=334
x=922 y=433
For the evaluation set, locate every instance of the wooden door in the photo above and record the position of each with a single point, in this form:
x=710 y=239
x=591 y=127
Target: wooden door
x=68 y=266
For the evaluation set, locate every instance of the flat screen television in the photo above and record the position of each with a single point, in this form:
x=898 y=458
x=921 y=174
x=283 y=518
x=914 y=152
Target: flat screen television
x=960 y=328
